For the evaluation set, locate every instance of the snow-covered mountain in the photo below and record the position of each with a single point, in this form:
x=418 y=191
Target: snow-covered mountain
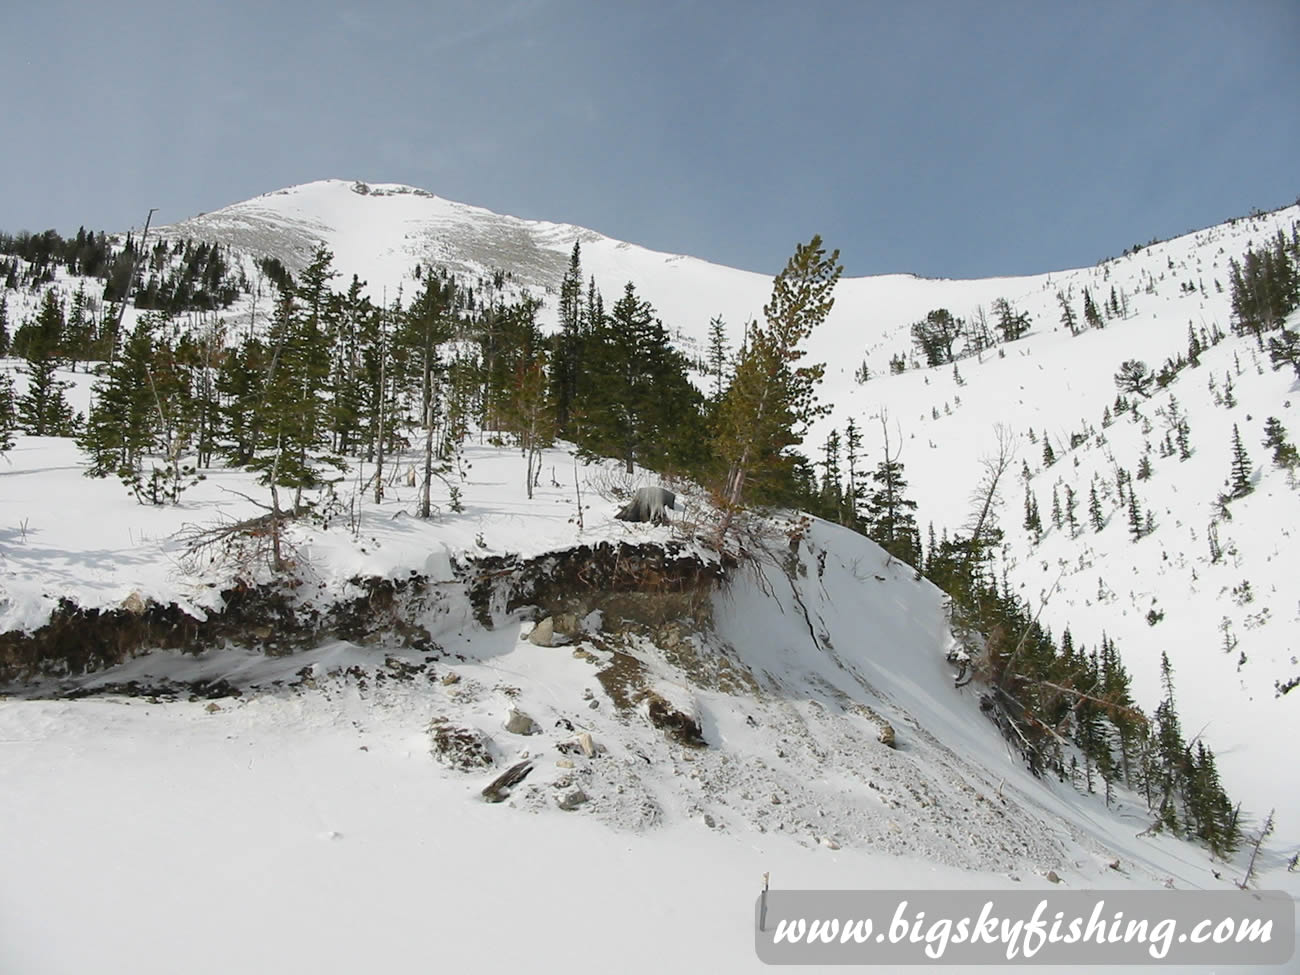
x=1048 y=384
x=320 y=766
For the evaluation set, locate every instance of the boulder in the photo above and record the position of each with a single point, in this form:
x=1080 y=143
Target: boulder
x=519 y=723
x=543 y=634
x=572 y=800
x=886 y=735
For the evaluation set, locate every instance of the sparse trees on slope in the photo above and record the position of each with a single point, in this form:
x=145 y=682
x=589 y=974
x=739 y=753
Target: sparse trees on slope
x=1284 y=349
x=935 y=334
x=1284 y=452
x=1011 y=324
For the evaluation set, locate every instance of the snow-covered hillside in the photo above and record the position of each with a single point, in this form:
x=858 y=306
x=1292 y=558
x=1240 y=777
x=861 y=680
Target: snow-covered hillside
x=260 y=808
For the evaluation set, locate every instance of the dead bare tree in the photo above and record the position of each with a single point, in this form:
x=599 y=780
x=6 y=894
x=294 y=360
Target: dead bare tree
x=1259 y=840
x=986 y=497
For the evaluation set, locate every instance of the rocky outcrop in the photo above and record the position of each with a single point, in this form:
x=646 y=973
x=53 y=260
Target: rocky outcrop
x=644 y=585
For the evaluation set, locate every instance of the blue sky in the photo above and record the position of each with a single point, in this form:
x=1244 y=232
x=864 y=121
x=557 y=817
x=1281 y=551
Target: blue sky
x=949 y=139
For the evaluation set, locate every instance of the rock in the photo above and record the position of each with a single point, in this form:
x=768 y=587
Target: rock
x=572 y=800
x=886 y=735
x=499 y=788
x=451 y=677
x=134 y=604
x=519 y=723
x=594 y=705
x=586 y=744
x=1052 y=877
x=465 y=749
x=709 y=821
x=828 y=842
x=543 y=634
x=212 y=706
x=564 y=763
x=261 y=632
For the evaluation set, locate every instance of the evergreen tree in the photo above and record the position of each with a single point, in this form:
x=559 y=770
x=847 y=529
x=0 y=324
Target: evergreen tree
x=1284 y=452
x=1049 y=455
x=771 y=397
x=119 y=429
x=1240 y=482
x=144 y=406
x=1094 y=509
x=832 y=491
x=292 y=433
x=240 y=387
x=42 y=409
x=1067 y=313
x=718 y=356
x=8 y=419
x=854 y=496
x=427 y=324
x=1090 y=313
x=1033 y=522
x=637 y=403
x=935 y=334
x=1209 y=806
x=1135 y=524
x=1284 y=349
x=566 y=362
x=4 y=326
x=1144 y=468
x=889 y=513
x=1056 y=508
x=1194 y=347
x=1071 y=519
x=78 y=334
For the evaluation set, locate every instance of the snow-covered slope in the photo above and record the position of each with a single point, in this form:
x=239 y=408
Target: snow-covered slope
x=306 y=818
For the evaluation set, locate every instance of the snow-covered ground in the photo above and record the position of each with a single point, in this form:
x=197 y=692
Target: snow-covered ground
x=304 y=822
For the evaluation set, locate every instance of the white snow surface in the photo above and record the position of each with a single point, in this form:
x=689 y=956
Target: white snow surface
x=304 y=825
